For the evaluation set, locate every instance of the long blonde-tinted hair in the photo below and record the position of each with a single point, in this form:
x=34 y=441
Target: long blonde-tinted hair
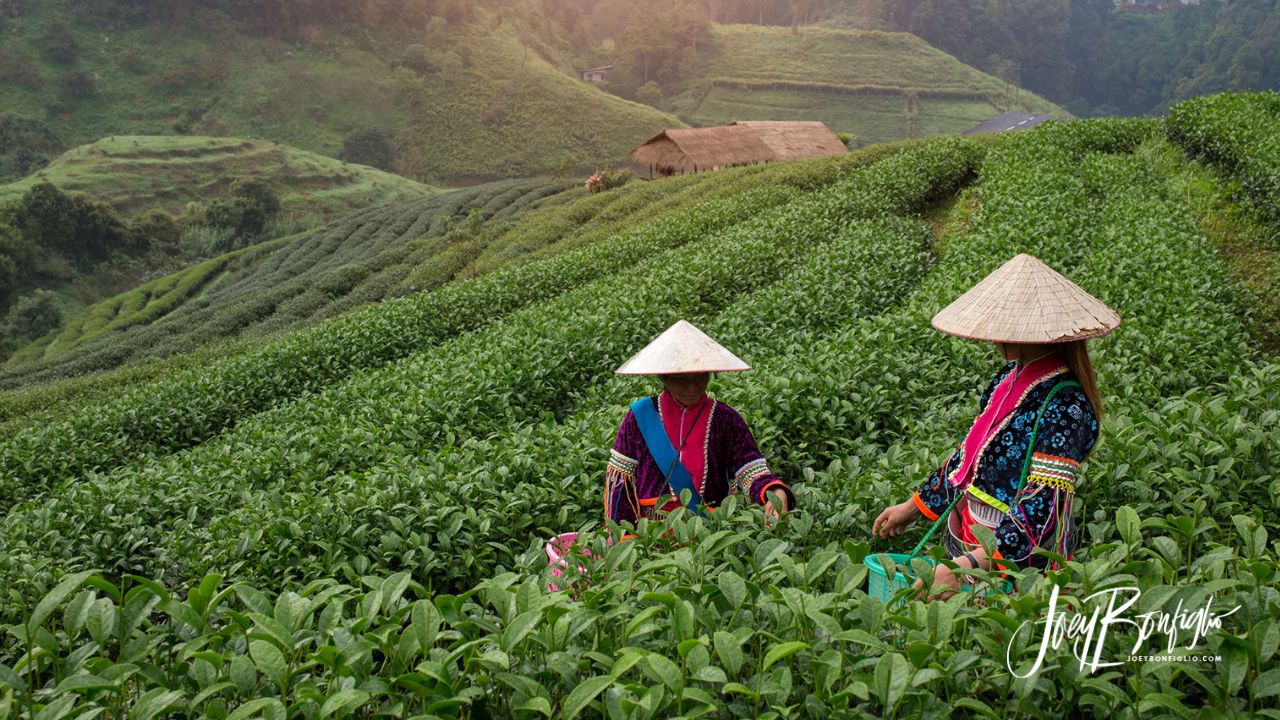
x=1078 y=360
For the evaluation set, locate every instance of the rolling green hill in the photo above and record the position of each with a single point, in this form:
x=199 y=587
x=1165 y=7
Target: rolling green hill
x=397 y=249
x=494 y=110
x=138 y=173
x=875 y=85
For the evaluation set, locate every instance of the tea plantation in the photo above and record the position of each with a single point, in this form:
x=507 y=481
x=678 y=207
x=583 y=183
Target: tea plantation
x=347 y=520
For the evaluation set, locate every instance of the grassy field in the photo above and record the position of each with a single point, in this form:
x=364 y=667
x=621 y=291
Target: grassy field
x=138 y=173
x=855 y=81
x=503 y=113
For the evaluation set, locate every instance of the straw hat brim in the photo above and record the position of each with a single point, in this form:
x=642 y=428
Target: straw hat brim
x=682 y=348
x=1026 y=301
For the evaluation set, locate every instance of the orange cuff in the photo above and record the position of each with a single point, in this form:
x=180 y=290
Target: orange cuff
x=915 y=497
x=770 y=486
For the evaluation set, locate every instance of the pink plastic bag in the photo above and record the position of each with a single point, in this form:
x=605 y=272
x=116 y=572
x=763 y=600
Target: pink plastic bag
x=557 y=548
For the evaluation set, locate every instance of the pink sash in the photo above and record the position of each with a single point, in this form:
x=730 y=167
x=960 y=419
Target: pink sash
x=1003 y=401
x=678 y=421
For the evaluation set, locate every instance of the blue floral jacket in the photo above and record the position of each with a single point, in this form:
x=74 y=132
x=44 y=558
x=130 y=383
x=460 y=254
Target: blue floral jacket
x=1068 y=431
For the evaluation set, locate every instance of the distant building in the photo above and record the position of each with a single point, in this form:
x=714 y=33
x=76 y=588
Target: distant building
x=596 y=74
x=741 y=143
x=1009 y=121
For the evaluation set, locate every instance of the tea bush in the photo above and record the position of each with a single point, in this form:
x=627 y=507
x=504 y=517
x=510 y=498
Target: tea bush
x=383 y=537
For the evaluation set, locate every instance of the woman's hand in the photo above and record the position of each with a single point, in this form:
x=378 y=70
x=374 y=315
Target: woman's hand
x=781 y=502
x=895 y=519
x=942 y=575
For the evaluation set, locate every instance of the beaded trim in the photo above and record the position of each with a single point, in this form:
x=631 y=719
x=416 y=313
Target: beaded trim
x=748 y=474
x=620 y=484
x=706 y=450
x=1052 y=470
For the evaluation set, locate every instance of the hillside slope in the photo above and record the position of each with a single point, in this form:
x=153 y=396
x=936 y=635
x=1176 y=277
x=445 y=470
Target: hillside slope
x=496 y=110
x=875 y=85
x=138 y=173
x=389 y=530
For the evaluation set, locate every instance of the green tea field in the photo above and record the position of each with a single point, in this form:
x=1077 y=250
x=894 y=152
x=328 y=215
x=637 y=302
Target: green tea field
x=135 y=173
x=338 y=508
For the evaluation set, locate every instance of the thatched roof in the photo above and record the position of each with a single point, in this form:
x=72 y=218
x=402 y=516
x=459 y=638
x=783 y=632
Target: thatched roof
x=794 y=140
x=740 y=143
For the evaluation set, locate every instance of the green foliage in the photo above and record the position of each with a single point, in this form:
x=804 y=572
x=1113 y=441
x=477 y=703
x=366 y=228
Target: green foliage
x=138 y=173
x=387 y=532
x=649 y=94
x=249 y=205
x=70 y=224
x=17 y=255
x=33 y=316
x=59 y=43
x=370 y=146
x=1238 y=134
x=154 y=229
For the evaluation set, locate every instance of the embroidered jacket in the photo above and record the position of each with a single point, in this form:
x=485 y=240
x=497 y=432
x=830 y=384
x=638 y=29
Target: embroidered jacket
x=1039 y=515
x=734 y=465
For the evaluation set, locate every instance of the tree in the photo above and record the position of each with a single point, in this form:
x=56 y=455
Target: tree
x=16 y=257
x=647 y=40
x=250 y=205
x=154 y=229
x=418 y=58
x=33 y=316
x=649 y=94
x=1246 y=69
x=370 y=146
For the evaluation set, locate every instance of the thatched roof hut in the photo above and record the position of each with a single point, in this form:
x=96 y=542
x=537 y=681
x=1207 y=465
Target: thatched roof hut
x=795 y=140
x=740 y=143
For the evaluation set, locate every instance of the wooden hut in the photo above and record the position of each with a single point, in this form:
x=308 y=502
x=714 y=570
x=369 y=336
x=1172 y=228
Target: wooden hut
x=740 y=143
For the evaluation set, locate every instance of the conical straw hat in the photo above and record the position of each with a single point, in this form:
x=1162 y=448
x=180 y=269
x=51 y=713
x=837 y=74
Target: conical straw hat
x=681 y=348
x=1026 y=301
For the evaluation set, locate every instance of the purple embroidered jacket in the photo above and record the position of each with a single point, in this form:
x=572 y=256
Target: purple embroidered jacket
x=734 y=465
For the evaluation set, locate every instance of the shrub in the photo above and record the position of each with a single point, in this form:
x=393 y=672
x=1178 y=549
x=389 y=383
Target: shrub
x=133 y=61
x=155 y=229
x=608 y=179
x=370 y=146
x=59 y=44
x=33 y=316
x=78 y=83
x=25 y=161
x=649 y=94
x=418 y=58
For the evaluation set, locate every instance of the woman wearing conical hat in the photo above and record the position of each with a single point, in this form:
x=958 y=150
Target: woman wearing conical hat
x=1016 y=469
x=682 y=439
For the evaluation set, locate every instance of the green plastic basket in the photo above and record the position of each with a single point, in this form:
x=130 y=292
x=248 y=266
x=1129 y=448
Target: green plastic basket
x=882 y=587
x=880 y=584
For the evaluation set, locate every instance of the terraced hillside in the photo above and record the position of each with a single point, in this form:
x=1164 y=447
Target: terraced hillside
x=875 y=85
x=495 y=110
x=138 y=173
x=299 y=532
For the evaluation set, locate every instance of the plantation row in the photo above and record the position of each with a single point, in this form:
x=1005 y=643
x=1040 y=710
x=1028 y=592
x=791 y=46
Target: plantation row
x=169 y=417
x=742 y=622
x=1238 y=133
x=479 y=383
x=357 y=260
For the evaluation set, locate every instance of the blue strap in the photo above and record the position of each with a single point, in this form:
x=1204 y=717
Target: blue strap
x=664 y=453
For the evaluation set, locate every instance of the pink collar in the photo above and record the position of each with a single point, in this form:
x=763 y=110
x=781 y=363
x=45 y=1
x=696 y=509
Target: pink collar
x=679 y=422
x=1003 y=400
